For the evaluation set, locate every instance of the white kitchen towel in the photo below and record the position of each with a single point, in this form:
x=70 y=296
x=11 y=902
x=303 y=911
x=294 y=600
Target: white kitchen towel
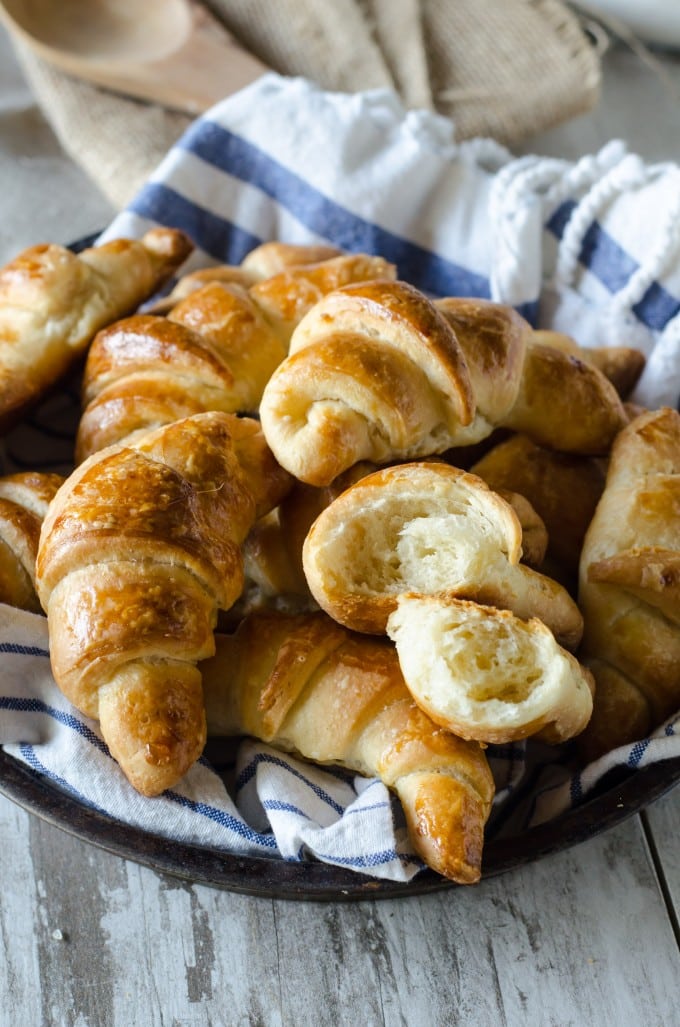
x=591 y=247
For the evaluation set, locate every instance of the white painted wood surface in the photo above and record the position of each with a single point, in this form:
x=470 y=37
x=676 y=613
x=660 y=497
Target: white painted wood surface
x=588 y=936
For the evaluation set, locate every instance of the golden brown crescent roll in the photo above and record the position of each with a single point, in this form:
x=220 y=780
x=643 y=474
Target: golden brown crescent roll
x=566 y=404
x=629 y=592
x=139 y=549
x=273 y=550
x=216 y=350
x=270 y=258
x=378 y=372
x=488 y=675
x=261 y=262
x=286 y=296
x=563 y=488
x=24 y=498
x=305 y=685
x=534 y=531
x=430 y=529
x=618 y=702
x=622 y=365
x=374 y=373
x=558 y=400
x=222 y=274
x=53 y=301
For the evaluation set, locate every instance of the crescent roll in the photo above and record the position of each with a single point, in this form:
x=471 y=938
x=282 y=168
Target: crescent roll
x=558 y=400
x=374 y=373
x=263 y=261
x=563 y=488
x=303 y=684
x=430 y=529
x=622 y=365
x=378 y=372
x=53 y=301
x=216 y=350
x=24 y=499
x=488 y=675
x=139 y=550
x=629 y=588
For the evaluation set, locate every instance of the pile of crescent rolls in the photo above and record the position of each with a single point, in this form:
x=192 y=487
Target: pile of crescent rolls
x=314 y=506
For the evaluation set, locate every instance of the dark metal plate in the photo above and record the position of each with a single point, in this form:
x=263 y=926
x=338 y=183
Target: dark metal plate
x=276 y=878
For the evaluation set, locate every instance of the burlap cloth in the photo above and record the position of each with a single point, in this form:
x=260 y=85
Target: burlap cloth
x=501 y=68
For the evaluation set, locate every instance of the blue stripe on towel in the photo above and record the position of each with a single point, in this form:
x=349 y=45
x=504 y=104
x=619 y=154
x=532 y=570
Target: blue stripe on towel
x=279 y=806
x=20 y=705
x=224 y=819
x=225 y=241
x=249 y=771
x=220 y=238
x=372 y=859
x=610 y=263
x=637 y=752
x=239 y=158
x=29 y=754
x=23 y=650
x=203 y=809
x=354 y=811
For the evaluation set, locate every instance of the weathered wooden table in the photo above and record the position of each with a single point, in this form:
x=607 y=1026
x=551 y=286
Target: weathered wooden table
x=586 y=936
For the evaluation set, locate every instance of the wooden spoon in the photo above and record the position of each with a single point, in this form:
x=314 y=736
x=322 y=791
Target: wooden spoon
x=172 y=52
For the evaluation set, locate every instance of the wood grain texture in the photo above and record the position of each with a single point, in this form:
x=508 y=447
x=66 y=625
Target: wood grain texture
x=95 y=941
x=663 y=820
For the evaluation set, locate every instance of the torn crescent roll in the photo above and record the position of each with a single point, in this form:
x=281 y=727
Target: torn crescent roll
x=487 y=675
x=431 y=529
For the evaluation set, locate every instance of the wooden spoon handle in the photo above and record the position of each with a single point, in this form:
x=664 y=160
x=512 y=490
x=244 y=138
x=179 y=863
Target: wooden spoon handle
x=209 y=66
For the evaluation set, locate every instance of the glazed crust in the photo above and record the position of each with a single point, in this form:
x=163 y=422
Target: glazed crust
x=628 y=588
x=217 y=348
x=139 y=549
x=52 y=303
x=307 y=686
x=551 y=393
x=377 y=371
x=563 y=488
x=24 y=498
x=263 y=261
x=622 y=365
x=374 y=373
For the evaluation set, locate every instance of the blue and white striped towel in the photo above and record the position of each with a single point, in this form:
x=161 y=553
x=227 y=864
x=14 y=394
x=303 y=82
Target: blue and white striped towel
x=591 y=247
